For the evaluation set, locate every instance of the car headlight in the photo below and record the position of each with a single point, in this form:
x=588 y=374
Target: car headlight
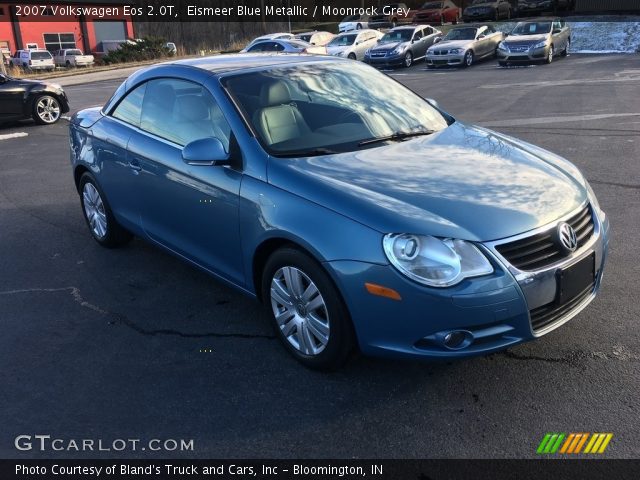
x=434 y=262
x=503 y=46
x=540 y=44
x=455 y=51
x=594 y=201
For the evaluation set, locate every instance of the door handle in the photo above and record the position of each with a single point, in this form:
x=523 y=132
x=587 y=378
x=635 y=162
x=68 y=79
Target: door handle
x=134 y=165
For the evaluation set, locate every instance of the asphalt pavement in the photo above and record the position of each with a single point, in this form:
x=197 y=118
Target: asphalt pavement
x=134 y=344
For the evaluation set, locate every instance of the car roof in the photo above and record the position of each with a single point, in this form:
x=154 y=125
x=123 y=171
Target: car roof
x=228 y=63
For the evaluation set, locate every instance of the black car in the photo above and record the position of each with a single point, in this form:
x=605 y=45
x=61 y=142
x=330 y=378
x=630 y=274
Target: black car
x=21 y=99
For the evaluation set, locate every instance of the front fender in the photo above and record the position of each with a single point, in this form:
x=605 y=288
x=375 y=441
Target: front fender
x=268 y=212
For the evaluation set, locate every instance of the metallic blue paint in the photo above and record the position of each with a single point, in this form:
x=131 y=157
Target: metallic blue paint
x=463 y=182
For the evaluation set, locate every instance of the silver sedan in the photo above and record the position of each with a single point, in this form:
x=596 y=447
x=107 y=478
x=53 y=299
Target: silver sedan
x=464 y=46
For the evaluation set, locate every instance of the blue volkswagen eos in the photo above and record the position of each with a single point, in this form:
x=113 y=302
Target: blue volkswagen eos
x=359 y=213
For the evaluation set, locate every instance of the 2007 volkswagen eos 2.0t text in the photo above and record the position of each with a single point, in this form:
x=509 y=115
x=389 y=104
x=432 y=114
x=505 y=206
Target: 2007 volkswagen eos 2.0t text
x=357 y=211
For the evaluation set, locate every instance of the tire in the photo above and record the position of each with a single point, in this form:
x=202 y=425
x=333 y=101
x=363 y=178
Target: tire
x=565 y=52
x=408 y=59
x=468 y=59
x=351 y=56
x=359 y=26
x=316 y=331
x=550 y=55
x=46 y=110
x=98 y=215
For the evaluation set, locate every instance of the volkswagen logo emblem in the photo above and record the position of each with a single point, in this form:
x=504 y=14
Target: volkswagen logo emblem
x=567 y=237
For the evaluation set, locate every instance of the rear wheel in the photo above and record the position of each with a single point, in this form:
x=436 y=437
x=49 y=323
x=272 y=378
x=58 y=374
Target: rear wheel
x=96 y=211
x=46 y=110
x=408 y=59
x=565 y=52
x=307 y=310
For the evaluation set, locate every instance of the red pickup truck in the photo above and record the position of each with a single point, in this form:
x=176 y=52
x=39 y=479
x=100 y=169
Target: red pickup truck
x=438 y=12
x=391 y=15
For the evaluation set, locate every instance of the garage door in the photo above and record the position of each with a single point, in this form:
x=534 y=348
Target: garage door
x=109 y=31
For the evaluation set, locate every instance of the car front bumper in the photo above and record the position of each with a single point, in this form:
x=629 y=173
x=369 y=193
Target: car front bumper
x=443 y=60
x=492 y=312
x=528 y=56
x=387 y=61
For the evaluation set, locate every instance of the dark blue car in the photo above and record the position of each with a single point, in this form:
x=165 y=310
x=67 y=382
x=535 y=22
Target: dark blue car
x=359 y=213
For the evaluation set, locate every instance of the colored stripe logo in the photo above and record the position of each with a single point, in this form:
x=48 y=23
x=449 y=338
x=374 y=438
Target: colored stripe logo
x=574 y=443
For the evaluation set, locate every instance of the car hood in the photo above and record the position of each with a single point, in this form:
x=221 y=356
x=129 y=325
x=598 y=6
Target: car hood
x=454 y=44
x=526 y=38
x=481 y=5
x=336 y=50
x=462 y=182
x=387 y=46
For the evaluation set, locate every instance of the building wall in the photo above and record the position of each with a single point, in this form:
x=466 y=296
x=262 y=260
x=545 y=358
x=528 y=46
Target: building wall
x=33 y=31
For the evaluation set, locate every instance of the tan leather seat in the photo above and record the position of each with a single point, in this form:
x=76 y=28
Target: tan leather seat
x=278 y=118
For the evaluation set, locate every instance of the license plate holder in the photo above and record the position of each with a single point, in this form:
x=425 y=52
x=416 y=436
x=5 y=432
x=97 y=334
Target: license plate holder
x=575 y=279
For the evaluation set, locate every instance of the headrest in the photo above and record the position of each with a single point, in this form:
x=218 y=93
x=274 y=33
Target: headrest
x=275 y=94
x=192 y=108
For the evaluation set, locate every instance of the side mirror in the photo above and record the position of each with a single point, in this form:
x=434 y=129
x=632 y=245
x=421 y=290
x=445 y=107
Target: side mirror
x=432 y=102
x=437 y=40
x=205 y=152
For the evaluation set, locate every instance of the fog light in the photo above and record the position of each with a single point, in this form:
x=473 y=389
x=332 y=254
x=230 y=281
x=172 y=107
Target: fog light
x=457 y=339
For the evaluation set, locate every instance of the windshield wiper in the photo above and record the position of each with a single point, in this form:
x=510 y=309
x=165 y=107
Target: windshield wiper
x=396 y=136
x=313 y=152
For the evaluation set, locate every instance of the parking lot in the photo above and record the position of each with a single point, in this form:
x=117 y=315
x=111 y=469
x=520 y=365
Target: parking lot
x=133 y=343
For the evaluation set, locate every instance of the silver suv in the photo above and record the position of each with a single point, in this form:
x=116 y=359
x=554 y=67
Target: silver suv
x=33 y=60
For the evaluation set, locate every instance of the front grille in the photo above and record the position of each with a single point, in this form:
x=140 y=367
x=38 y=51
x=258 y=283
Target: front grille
x=519 y=48
x=541 y=250
x=547 y=314
x=440 y=52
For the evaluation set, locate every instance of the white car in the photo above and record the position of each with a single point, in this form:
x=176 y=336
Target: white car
x=72 y=57
x=33 y=60
x=315 y=38
x=269 y=36
x=354 y=22
x=353 y=44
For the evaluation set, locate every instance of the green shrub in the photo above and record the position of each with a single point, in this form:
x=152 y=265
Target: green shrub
x=149 y=48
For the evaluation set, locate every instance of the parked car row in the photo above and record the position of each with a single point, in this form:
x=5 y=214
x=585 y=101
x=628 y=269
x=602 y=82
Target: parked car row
x=440 y=12
x=532 y=40
x=40 y=59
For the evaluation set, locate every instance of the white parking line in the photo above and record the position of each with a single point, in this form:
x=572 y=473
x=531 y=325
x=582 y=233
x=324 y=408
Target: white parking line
x=13 y=135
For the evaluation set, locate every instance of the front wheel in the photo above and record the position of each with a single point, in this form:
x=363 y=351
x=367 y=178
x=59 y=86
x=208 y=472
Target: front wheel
x=46 y=110
x=307 y=310
x=351 y=56
x=408 y=59
x=96 y=211
x=565 y=52
x=549 y=58
x=468 y=59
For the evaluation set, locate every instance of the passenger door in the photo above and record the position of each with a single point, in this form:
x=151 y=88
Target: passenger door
x=11 y=95
x=559 y=36
x=192 y=210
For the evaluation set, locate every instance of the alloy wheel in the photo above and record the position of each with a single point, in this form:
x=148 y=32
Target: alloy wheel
x=300 y=310
x=94 y=210
x=550 y=55
x=468 y=58
x=48 y=109
x=408 y=59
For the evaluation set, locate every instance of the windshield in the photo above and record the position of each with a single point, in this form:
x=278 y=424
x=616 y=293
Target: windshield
x=342 y=41
x=432 y=5
x=402 y=35
x=40 y=55
x=532 y=28
x=461 y=34
x=297 y=43
x=323 y=107
x=352 y=18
